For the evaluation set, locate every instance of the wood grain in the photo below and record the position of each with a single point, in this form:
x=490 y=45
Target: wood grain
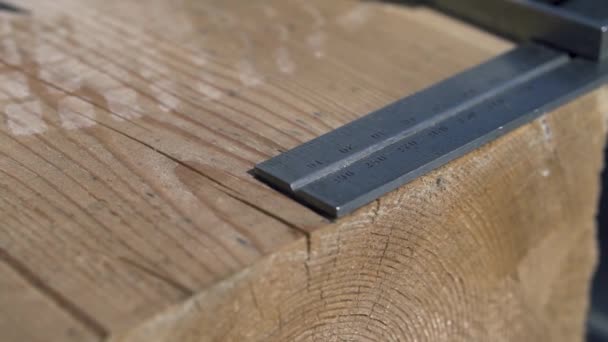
x=49 y=316
x=488 y=248
x=128 y=212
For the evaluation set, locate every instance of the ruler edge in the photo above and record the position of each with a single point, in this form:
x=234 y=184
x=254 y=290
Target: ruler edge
x=463 y=150
x=335 y=212
x=260 y=170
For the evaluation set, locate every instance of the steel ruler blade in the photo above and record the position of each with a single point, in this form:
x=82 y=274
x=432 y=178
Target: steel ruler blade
x=355 y=164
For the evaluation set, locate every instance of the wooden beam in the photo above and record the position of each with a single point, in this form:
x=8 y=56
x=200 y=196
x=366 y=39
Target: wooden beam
x=127 y=135
x=498 y=245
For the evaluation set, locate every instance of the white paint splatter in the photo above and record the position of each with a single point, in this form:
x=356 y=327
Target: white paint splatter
x=168 y=101
x=15 y=85
x=209 y=91
x=545 y=172
x=75 y=113
x=25 y=118
x=284 y=61
x=248 y=74
x=283 y=58
x=67 y=75
x=123 y=103
x=316 y=41
x=356 y=18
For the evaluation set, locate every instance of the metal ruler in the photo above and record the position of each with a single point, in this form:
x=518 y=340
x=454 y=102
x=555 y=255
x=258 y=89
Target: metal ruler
x=356 y=163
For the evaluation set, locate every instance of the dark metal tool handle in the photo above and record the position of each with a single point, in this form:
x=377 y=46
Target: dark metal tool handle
x=576 y=26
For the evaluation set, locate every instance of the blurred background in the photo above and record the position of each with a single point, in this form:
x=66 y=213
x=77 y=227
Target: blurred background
x=598 y=317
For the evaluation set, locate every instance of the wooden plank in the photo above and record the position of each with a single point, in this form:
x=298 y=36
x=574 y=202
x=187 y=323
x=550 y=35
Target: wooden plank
x=129 y=130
